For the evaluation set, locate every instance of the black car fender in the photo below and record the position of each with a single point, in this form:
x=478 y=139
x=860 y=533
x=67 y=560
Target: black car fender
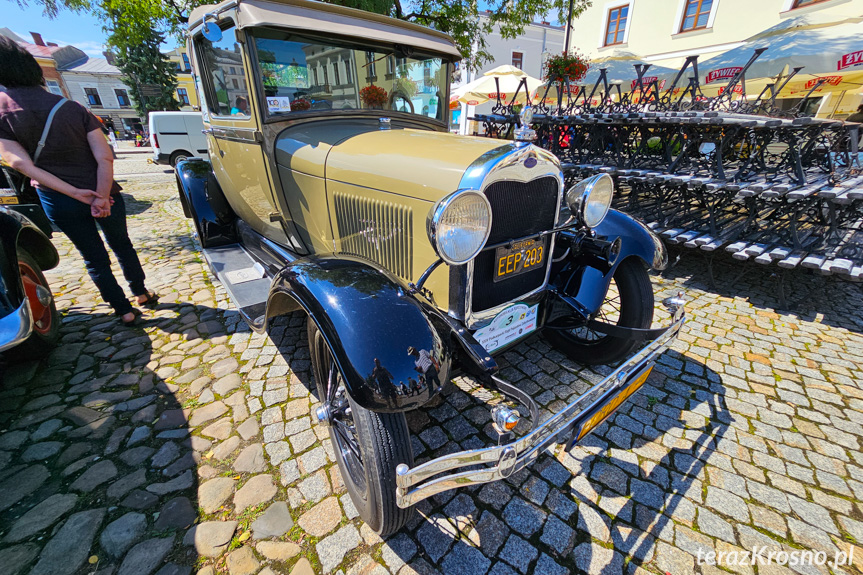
x=587 y=275
x=370 y=321
x=204 y=202
x=19 y=232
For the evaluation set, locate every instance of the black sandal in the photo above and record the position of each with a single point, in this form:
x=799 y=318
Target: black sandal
x=152 y=300
x=137 y=314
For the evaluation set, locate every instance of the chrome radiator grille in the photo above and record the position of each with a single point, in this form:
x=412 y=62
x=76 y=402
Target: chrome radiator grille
x=377 y=231
x=518 y=209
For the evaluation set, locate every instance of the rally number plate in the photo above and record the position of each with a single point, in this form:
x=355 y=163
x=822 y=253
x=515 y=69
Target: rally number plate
x=519 y=257
x=511 y=324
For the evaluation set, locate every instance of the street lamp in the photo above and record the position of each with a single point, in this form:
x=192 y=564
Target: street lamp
x=568 y=27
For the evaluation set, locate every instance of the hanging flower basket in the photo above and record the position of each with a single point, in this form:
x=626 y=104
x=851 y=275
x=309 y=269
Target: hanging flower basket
x=373 y=96
x=572 y=67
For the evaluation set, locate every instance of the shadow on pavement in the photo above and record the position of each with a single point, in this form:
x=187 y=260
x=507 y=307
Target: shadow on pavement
x=98 y=470
x=807 y=294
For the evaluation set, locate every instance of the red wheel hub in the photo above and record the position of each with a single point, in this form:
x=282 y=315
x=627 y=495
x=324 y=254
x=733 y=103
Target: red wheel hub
x=39 y=296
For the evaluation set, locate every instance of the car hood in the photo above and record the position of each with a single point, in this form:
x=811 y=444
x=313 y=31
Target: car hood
x=416 y=163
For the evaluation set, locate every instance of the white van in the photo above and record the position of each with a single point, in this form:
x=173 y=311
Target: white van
x=176 y=136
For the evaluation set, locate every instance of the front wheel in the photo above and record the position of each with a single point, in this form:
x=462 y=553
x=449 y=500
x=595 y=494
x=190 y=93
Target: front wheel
x=628 y=303
x=46 y=319
x=368 y=445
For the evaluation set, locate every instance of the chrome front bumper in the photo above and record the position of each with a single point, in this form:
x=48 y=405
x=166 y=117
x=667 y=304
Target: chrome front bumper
x=16 y=327
x=568 y=425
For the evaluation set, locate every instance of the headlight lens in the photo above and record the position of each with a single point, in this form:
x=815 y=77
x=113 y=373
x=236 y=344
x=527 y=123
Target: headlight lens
x=591 y=198
x=458 y=226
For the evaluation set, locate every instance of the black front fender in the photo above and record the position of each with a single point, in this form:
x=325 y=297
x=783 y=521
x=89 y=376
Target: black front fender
x=587 y=276
x=204 y=202
x=370 y=320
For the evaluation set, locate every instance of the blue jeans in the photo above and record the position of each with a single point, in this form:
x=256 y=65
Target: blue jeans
x=74 y=219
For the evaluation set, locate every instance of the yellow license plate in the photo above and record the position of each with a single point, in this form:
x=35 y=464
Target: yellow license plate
x=8 y=200
x=519 y=257
x=612 y=405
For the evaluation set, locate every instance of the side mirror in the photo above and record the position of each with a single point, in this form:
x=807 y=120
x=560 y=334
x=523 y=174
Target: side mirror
x=211 y=31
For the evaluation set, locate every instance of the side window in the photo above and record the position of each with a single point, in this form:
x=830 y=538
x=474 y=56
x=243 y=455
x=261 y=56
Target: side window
x=223 y=74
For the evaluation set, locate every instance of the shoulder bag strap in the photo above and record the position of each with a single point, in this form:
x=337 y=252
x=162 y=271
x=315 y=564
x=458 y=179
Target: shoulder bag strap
x=47 y=128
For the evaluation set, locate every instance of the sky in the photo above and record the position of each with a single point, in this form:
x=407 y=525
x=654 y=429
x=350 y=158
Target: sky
x=81 y=30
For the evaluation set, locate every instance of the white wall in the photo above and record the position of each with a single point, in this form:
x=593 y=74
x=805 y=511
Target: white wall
x=536 y=39
x=105 y=84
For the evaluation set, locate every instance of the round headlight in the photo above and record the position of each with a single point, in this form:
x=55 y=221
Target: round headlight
x=458 y=226
x=591 y=198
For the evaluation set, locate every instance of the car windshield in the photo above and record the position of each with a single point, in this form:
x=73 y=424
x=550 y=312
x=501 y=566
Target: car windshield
x=305 y=74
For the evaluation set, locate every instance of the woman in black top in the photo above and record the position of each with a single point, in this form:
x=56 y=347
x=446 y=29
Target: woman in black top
x=74 y=176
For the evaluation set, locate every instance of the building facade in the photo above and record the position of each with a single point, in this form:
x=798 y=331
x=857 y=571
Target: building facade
x=51 y=57
x=527 y=52
x=98 y=85
x=665 y=32
x=185 y=94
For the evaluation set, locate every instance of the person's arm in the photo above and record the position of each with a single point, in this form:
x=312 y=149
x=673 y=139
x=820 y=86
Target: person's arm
x=104 y=160
x=17 y=158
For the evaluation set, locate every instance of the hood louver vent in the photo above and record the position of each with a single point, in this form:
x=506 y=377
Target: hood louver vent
x=378 y=231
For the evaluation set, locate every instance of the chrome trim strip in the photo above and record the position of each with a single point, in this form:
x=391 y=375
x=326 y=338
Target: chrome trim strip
x=416 y=484
x=507 y=163
x=16 y=327
x=247 y=135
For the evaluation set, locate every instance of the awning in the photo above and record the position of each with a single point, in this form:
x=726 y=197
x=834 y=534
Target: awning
x=823 y=48
x=509 y=80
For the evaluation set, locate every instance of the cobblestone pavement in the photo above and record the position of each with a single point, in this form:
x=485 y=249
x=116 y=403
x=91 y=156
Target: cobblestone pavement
x=186 y=445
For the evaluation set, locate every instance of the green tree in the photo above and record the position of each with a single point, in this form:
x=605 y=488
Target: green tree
x=458 y=18
x=145 y=67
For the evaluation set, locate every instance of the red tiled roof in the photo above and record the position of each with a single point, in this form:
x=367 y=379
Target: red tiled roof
x=40 y=51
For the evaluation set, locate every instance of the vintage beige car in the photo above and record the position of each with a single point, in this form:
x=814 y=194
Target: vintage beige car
x=334 y=187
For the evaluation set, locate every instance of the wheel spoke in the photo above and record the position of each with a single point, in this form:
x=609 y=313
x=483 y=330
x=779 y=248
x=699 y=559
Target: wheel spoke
x=332 y=382
x=348 y=438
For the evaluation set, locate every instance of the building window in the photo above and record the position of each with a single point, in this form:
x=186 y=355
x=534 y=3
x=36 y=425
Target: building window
x=371 y=73
x=695 y=15
x=54 y=87
x=232 y=70
x=518 y=59
x=236 y=84
x=336 y=81
x=349 y=79
x=616 y=26
x=122 y=98
x=187 y=67
x=183 y=96
x=93 y=96
x=802 y=3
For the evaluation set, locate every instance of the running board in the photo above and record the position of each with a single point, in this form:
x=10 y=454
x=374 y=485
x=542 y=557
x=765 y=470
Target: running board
x=245 y=280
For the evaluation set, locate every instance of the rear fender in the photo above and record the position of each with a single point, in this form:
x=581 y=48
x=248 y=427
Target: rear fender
x=18 y=232
x=204 y=202
x=587 y=276
x=369 y=319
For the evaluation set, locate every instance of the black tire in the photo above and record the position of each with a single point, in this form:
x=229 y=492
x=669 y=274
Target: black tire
x=179 y=156
x=633 y=308
x=46 y=329
x=382 y=439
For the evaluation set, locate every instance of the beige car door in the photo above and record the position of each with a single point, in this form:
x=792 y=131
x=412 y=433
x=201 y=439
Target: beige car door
x=233 y=131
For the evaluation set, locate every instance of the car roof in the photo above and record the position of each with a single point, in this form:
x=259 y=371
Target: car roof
x=316 y=16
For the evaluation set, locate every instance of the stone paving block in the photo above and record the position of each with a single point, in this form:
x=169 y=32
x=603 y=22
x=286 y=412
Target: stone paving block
x=781 y=458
